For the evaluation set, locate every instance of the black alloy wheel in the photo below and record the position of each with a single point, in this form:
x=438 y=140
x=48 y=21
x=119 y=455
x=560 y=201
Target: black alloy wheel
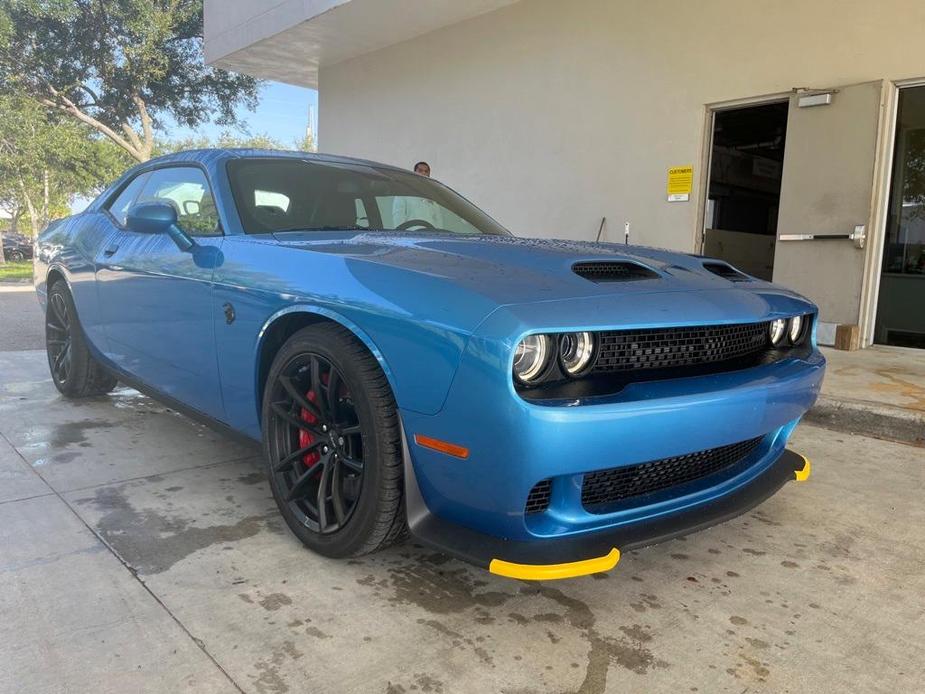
x=58 y=338
x=319 y=449
x=74 y=370
x=333 y=443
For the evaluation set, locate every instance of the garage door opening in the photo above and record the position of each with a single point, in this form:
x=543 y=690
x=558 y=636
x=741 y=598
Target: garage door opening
x=746 y=161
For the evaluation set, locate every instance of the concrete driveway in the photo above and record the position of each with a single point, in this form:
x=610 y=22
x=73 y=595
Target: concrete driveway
x=22 y=324
x=141 y=552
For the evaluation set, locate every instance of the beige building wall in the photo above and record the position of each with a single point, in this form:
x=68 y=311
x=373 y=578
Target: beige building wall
x=551 y=115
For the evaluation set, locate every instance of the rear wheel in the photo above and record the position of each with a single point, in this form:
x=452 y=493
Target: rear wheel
x=75 y=372
x=332 y=443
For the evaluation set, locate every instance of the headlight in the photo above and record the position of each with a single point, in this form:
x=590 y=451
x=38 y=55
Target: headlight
x=531 y=357
x=777 y=330
x=796 y=329
x=575 y=351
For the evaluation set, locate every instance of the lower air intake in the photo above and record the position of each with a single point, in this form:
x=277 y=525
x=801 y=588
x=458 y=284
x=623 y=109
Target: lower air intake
x=608 y=487
x=538 y=499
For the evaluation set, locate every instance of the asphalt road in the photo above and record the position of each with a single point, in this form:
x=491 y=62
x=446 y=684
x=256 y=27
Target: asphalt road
x=21 y=324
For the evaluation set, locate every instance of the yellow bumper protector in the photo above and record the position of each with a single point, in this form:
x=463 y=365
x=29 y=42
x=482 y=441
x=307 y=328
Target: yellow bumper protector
x=803 y=475
x=550 y=572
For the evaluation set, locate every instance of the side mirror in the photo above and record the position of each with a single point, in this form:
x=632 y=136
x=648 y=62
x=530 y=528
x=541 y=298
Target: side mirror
x=158 y=218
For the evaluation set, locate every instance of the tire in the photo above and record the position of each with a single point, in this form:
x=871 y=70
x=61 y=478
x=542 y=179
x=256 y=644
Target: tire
x=75 y=372
x=16 y=256
x=333 y=444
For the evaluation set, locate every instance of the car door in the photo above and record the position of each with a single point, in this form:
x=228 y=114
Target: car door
x=156 y=300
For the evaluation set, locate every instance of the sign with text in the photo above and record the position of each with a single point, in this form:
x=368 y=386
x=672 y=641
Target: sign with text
x=680 y=183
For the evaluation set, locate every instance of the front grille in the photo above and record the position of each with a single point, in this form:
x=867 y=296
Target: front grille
x=538 y=498
x=613 y=271
x=671 y=348
x=606 y=487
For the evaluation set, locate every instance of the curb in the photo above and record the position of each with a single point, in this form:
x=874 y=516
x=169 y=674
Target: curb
x=869 y=419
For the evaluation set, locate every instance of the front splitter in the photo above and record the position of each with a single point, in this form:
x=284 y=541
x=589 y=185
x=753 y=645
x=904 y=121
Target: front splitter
x=567 y=557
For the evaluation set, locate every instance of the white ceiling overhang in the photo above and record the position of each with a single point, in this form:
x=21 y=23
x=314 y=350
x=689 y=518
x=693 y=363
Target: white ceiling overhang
x=288 y=40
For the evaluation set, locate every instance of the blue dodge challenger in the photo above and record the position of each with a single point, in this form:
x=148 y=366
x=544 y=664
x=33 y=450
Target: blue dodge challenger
x=531 y=406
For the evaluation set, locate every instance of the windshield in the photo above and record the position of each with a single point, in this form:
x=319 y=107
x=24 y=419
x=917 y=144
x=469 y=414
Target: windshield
x=283 y=194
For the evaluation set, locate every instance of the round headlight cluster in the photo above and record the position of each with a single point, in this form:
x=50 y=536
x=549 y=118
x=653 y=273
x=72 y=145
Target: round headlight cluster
x=575 y=352
x=778 y=328
x=795 y=331
x=536 y=353
x=531 y=357
x=791 y=328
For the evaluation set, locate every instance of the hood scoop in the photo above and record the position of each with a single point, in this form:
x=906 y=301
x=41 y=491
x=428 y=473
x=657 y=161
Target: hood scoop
x=727 y=272
x=613 y=271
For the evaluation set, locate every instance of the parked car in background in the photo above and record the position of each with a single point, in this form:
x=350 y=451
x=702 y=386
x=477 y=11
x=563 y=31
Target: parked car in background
x=16 y=247
x=532 y=406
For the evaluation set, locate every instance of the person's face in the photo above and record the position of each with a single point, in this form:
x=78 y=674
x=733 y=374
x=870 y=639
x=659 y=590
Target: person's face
x=422 y=169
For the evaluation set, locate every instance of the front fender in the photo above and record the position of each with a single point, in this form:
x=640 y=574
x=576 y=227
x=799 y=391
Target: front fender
x=314 y=310
x=416 y=326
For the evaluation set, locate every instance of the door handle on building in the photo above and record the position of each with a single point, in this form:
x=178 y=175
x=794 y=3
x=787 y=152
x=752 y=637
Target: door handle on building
x=859 y=235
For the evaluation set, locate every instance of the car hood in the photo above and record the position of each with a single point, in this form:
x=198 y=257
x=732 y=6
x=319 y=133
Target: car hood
x=509 y=270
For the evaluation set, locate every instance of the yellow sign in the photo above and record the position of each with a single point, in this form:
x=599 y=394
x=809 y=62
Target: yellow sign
x=680 y=183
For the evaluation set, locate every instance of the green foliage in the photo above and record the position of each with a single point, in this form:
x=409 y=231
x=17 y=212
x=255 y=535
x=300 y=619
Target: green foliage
x=119 y=66
x=307 y=143
x=230 y=139
x=46 y=160
x=12 y=272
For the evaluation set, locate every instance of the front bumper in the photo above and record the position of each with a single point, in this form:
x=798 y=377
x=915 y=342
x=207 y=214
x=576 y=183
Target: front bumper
x=513 y=445
x=578 y=555
x=475 y=505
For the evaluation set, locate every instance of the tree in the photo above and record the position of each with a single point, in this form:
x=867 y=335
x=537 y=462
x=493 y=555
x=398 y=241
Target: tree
x=230 y=139
x=226 y=139
x=8 y=203
x=307 y=143
x=120 y=67
x=46 y=160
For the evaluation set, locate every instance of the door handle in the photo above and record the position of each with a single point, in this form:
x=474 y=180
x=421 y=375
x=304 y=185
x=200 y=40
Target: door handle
x=111 y=251
x=859 y=236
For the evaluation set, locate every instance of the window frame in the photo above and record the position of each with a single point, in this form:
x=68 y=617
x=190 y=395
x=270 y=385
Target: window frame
x=116 y=194
x=219 y=227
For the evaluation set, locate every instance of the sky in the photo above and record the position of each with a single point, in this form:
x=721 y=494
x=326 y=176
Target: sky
x=282 y=113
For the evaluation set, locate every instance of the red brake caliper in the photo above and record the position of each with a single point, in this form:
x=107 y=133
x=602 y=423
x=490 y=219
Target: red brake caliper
x=305 y=437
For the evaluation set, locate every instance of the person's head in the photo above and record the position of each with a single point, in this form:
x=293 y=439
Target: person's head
x=422 y=168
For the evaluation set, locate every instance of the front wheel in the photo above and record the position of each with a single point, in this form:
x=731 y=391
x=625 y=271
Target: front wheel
x=333 y=445
x=75 y=372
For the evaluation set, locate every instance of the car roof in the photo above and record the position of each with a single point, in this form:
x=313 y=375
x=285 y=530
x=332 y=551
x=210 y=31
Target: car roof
x=212 y=158
x=217 y=154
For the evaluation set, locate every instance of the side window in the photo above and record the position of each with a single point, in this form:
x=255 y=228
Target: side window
x=187 y=189
x=124 y=200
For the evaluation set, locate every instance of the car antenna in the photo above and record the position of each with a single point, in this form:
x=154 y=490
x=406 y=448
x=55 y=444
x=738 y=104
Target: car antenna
x=626 y=233
x=600 y=229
